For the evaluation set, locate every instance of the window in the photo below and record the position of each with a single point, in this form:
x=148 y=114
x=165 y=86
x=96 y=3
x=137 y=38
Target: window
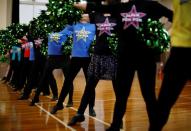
x=30 y=9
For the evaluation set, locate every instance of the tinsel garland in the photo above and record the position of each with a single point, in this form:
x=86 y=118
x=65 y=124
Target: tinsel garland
x=67 y=46
x=91 y=49
x=59 y=13
x=154 y=35
x=3 y=59
x=113 y=43
x=10 y=36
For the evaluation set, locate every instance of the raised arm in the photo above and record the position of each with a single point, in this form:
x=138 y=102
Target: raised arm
x=80 y=5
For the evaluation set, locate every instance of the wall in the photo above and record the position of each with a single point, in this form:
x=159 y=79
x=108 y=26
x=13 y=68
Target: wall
x=5 y=13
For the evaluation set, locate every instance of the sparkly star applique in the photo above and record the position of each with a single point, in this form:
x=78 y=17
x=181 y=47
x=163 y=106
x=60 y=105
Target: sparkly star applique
x=82 y=34
x=55 y=37
x=132 y=18
x=105 y=27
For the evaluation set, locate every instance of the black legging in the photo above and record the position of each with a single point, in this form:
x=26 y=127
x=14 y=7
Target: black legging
x=88 y=93
x=35 y=74
x=53 y=62
x=24 y=73
x=176 y=73
x=76 y=64
x=146 y=71
x=16 y=65
x=10 y=72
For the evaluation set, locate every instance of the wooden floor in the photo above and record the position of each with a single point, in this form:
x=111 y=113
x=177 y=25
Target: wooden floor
x=17 y=115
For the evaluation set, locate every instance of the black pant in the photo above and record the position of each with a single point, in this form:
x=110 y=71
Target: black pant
x=176 y=73
x=146 y=71
x=76 y=64
x=10 y=72
x=35 y=75
x=88 y=93
x=24 y=73
x=16 y=65
x=53 y=62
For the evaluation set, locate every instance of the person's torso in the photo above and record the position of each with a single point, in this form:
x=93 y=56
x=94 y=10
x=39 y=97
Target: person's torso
x=83 y=36
x=105 y=27
x=131 y=15
x=55 y=44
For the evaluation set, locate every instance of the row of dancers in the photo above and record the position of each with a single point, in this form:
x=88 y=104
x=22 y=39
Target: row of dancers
x=133 y=55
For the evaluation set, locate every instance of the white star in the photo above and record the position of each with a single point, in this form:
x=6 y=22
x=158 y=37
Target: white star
x=82 y=34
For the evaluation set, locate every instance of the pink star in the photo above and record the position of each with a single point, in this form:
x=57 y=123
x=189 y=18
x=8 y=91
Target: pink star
x=132 y=18
x=105 y=27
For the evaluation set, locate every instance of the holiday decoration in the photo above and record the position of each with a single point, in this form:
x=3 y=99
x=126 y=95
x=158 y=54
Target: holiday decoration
x=153 y=34
x=10 y=36
x=113 y=43
x=59 y=13
x=67 y=46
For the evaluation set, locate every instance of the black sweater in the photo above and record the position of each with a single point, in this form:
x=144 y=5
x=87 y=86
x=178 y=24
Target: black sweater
x=129 y=16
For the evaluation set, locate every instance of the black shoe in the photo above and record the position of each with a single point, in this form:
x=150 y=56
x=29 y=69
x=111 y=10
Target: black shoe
x=54 y=98
x=46 y=94
x=16 y=89
x=4 y=78
x=75 y=119
x=92 y=112
x=111 y=128
x=33 y=102
x=5 y=81
x=121 y=126
x=70 y=104
x=23 y=97
x=155 y=128
x=56 y=108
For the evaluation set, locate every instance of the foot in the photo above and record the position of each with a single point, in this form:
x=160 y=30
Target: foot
x=46 y=94
x=155 y=128
x=4 y=78
x=33 y=102
x=5 y=81
x=23 y=97
x=121 y=126
x=92 y=112
x=54 y=98
x=76 y=118
x=70 y=104
x=111 y=128
x=56 y=108
x=16 y=89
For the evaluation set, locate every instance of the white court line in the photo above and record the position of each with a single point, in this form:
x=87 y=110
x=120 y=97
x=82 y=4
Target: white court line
x=63 y=123
x=103 y=122
x=86 y=114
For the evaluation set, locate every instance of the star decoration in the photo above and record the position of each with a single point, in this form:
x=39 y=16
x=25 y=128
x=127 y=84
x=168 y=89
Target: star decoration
x=82 y=34
x=132 y=18
x=38 y=42
x=105 y=27
x=55 y=37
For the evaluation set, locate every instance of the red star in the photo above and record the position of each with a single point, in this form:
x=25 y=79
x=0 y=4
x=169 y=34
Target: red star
x=132 y=18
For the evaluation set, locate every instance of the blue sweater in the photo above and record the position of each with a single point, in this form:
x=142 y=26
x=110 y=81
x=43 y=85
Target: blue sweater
x=32 y=55
x=55 y=41
x=16 y=51
x=83 y=36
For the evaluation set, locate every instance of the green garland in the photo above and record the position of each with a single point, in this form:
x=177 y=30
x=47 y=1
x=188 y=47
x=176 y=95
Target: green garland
x=3 y=59
x=59 y=13
x=10 y=36
x=67 y=46
x=113 y=43
x=153 y=34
